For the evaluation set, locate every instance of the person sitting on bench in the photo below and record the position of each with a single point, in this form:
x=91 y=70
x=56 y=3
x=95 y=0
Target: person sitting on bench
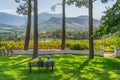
x=49 y=63
x=40 y=62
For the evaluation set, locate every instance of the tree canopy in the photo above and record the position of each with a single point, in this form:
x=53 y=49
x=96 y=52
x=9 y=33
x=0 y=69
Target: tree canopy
x=23 y=7
x=110 y=22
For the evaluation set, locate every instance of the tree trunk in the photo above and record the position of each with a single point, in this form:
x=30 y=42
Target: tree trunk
x=35 y=51
x=27 y=37
x=63 y=26
x=91 y=44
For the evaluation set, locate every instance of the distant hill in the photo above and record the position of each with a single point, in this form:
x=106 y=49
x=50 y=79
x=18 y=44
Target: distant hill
x=72 y=23
x=10 y=19
x=46 y=21
x=15 y=20
x=46 y=16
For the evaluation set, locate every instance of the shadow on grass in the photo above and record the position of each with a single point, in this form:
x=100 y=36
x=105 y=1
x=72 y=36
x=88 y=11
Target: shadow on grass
x=66 y=68
x=4 y=76
x=74 y=69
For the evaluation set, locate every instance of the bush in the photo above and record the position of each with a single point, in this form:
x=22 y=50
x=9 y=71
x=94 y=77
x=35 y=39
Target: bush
x=79 y=46
x=109 y=48
x=75 y=47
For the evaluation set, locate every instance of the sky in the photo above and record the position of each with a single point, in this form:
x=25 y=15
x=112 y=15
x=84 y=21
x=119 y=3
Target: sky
x=9 y=6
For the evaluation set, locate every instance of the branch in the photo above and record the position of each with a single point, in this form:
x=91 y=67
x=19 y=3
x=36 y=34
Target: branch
x=17 y=1
x=54 y=6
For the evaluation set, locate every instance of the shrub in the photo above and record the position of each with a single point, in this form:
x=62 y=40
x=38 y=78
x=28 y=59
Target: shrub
x=79 y=46
x=75 y=47
x=109 y=48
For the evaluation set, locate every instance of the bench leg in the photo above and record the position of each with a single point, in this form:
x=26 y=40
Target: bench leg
x=52 y=68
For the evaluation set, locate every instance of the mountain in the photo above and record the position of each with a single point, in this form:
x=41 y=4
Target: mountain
x=85 y=19
x=46 y=16
x=46 y=21
x=10 y=19
x=9 y=22
x=15 y=20
x=72 y=23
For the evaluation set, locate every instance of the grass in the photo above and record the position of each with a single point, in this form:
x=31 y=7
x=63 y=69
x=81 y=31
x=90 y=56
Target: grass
x=67 y=67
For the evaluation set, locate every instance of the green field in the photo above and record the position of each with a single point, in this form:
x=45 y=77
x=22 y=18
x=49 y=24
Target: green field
x=67 y=67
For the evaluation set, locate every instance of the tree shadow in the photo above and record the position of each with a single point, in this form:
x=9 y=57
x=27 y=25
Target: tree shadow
x=74 y=68
x=6 y=77
x=66 y=68
x=41 y=74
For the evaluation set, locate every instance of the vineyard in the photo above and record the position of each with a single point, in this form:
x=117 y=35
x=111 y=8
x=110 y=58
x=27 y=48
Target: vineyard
x=107 y=43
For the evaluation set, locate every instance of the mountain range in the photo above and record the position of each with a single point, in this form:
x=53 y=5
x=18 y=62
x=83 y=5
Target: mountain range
x=10 y=19
x=72 y=23
x=46 y=21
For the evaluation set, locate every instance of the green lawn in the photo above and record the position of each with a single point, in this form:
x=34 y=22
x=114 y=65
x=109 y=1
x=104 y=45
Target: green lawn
x=67 y=67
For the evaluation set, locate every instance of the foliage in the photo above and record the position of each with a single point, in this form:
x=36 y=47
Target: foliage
x=110 y=22
x=109 y=48
x=67 y=67
x=82 y=45
x=70 y=44
x=22 y=8
x=2 y=45
x=54 y=34
x=78 y=3
x=98 y=44
x=110 y=43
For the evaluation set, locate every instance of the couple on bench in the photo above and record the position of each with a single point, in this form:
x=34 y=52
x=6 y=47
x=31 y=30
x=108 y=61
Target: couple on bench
x=41 y=63
x=47 y=63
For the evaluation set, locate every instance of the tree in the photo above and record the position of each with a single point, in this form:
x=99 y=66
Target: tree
x=91 y=41
x=88 y=4
x=27 y=37
x=63 y=22
x=91 y=44
x=25 y=9
x=110 y=21
x=35 y=50
x=63 y=25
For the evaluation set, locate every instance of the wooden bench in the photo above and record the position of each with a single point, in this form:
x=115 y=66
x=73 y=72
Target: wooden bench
x=41 y=64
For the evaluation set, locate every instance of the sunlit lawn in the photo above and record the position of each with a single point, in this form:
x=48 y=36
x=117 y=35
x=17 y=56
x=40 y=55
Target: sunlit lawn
x=67 y=67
